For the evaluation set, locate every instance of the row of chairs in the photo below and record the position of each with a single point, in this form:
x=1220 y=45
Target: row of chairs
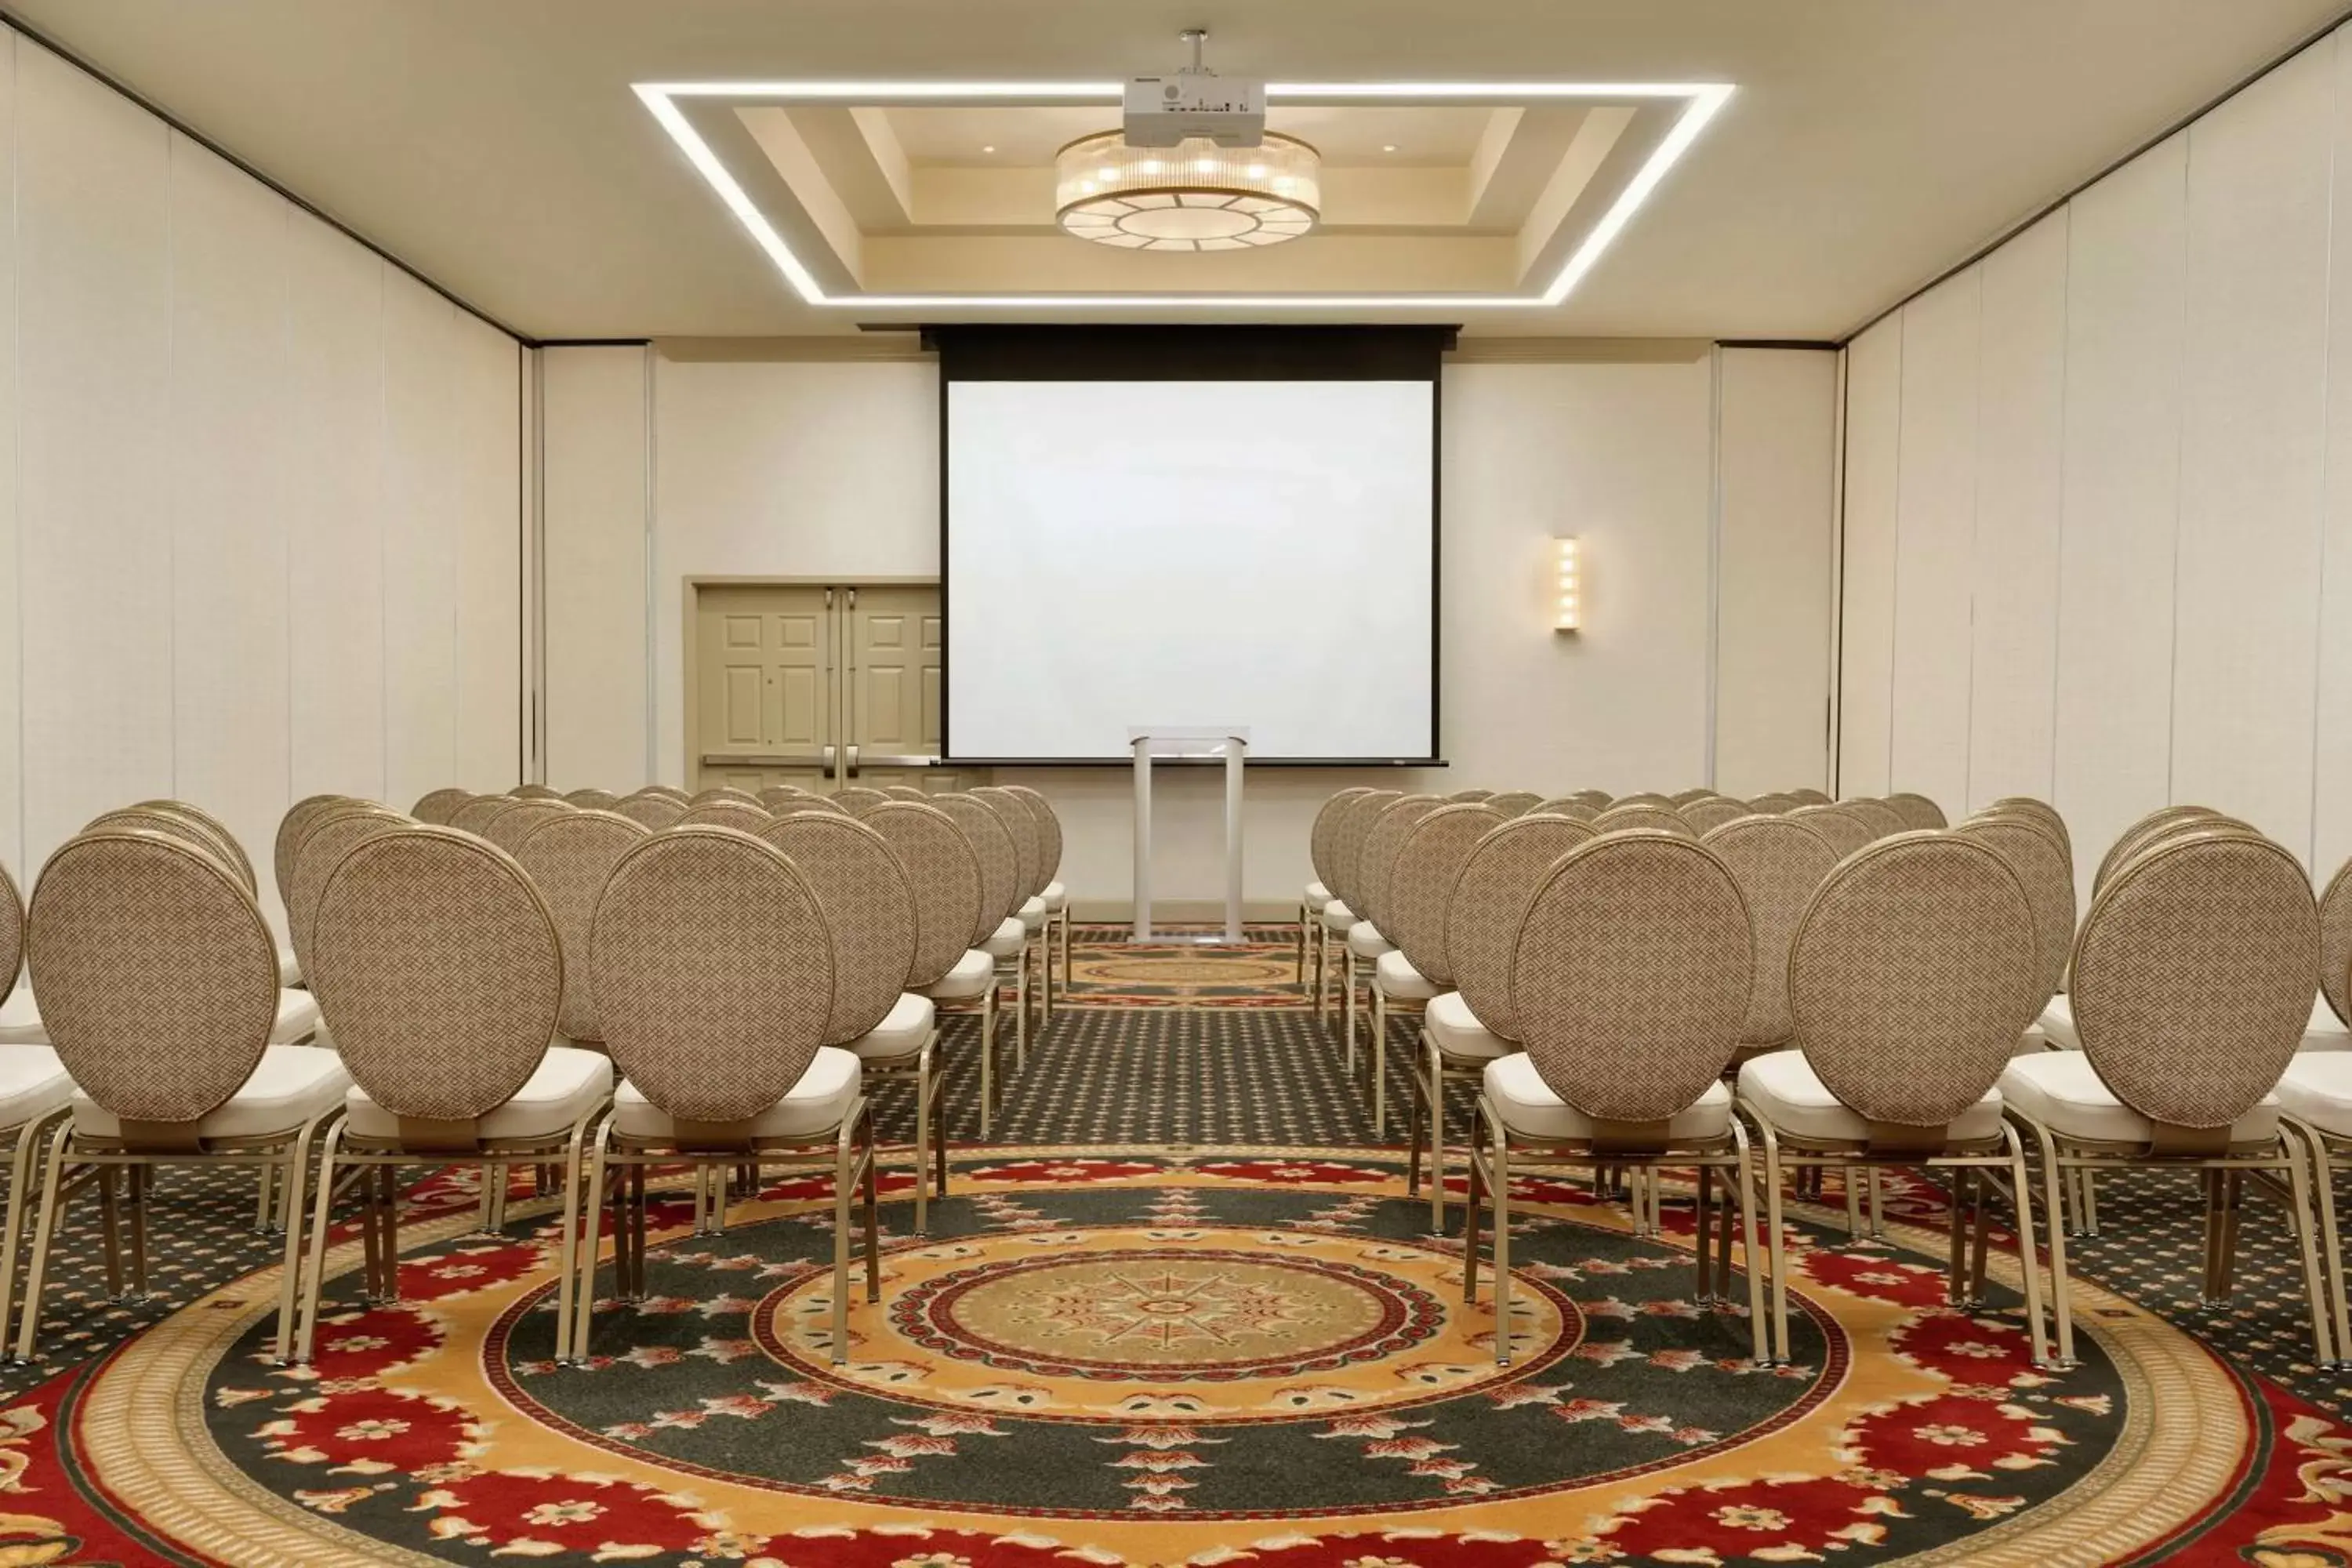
x=479 y=989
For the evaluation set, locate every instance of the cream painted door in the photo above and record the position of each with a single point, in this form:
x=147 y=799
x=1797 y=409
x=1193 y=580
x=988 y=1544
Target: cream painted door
x=766 y=686
x=891 y=686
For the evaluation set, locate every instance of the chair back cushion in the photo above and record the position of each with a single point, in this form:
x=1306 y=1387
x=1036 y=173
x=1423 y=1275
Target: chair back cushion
x=2193 y=975
x=1774 y=805
x=869 y=907
x=1458 y=796
x=713 y=971
x=291 y=826
x=1421 y=884
x=1490 y=896
x=1049 y=829
x=436 y=806
x=1321 y=839
x=1918 y=811
x=1642 y=816
x=1631 y=974
x=2128 y=841
x=570 y=856
x=330 y=838
x=1911 y=974
x=477 y=815
x=717 y=793
x=439 y=969
x=907 y=792
x=2335 y=943
x=170 y=825
x=1711 y=812
x=1883 y=820
x=944 y=870
x=592 y=799
x=1778 y=862
x=999 y=892
x=1347 y=844
x=157 y=978
x=1515 y=802
x=745 y=815
x=1845 y=831
x=2042 y=811
x=509 y=828
x=855 y=798
x=651 y=809
x=786 y=805
x=12 y=933
x=1377 y=856
x=233 y=851
x=2047 y=873
x=1027 y=854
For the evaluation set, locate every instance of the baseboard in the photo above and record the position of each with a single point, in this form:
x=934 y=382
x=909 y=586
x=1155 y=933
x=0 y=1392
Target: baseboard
x=1179 y=911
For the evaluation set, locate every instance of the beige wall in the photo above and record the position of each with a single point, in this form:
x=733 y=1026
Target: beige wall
x=780 y=468
x=261 y=518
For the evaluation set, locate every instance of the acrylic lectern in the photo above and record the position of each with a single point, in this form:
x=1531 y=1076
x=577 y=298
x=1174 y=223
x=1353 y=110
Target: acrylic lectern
x=1172 y=743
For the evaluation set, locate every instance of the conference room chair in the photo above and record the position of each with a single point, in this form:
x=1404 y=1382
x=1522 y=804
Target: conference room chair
x=1468 y=1026
x=330 y=835
x=999 y=934
x=1515 y=802
x=773 y=796
x=288 y=973
x=569 y=859
x=535 y=792
x=2314 y=1098
x=944 y=872
x=718 y=793
x=509 y=828
x=855 y=798
x=1461 y=796
x=1394 y=985
x=1347 y=852
x=1563 y=805
x=1845 y=831
x=2192 y=988
x=1629 y=979
x=1774 y=805
x=791 y=804
x=1056 y=896
x=1314 y=935
x=2047 y=873
x=291 y=826
x=672 y=790
x=1029 y=907
x=651 y=808
x=2041 y=811
x=1642 y=816
x=35 y=1095
x=590 y=799
x=1809 y=797
x=1883 y=820
x=713 y=969
x=907 y=792
x=435 y=806
x=1644 y=797
x=442 y=965
x=1918 y=811
x=1779 y=862
x=1597 y=799
x=476 y=816
x=1681 y=798
x=147 y=950
x=744 y=815
x=869 y=904
x=1911 y=972
x=1710 y=812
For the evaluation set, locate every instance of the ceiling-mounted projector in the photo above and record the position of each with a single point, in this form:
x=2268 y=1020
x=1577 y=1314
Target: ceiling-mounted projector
x=1194 y=102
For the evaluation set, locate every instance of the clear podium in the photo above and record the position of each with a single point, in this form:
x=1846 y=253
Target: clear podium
x=1173 y=743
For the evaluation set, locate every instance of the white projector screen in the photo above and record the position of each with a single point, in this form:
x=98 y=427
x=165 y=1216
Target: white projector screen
x=1123 y=554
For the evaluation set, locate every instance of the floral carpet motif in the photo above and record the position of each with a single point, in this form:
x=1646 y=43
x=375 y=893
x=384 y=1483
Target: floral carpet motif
x=1101 y=1356
x=1108 y=970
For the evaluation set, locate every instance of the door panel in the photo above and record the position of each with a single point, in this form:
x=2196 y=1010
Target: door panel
x=893 y=658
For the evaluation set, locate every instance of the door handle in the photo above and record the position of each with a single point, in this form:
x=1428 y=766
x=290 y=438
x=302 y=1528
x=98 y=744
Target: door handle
x=917 y=760
x=829 y=761
x=752 y=760
x=852 y=752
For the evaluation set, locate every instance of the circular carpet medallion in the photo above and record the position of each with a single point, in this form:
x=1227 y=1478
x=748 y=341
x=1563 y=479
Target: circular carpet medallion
x=1102 y=1357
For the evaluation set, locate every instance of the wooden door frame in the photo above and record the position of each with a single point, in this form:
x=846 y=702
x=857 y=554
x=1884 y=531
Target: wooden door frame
x=692 y=586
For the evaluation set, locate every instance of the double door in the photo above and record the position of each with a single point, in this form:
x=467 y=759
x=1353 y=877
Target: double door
x=817 y=686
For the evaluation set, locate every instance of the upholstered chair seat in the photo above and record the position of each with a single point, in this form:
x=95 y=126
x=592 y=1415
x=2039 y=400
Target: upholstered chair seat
x=1529 y=1108
x=288 y=1087
x=1056 y=897
x=1006 y=941
x=2062 y=1091
x=902 y=1031
x=972 y=975
x=1455 y=1030
x=1790 y=1094
x=1365 y=941
x=1399 y=980
x=33 y=1083
x=2318 y=1089
x=1314 y=928
x=568 y=1083
x=820 y=1099
x=1032 y=915
x=1338 y=918
x=1316 y=896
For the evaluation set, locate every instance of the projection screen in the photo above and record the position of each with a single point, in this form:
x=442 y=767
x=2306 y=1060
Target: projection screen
x=1259 y=551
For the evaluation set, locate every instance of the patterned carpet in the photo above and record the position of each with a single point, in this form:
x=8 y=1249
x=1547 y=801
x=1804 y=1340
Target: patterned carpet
x=1180 y=1312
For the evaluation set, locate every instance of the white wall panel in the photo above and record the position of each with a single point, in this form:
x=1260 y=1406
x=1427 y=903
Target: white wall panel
x=2020 y=480
x=12 y=760
x=335 y=501
x=593 y=420
x=231 y=664
x=94 y=497
x=2332 y=764
x=487 y=583
x=2253 y=441
x=2125 y=300
x=1935 y=542
x=420 y=540
x=1776 y=457
x=1874 y=424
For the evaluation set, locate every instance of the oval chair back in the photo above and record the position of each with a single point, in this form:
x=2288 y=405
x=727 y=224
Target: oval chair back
x=2127 y=842
x=1809 y=797
x=869 y=905
x=239 y=860
x=1377 y=860
x=435 y=806
x=1912 y=975
x=296 y=822
x=999 y=868
x=792 y=805
x=1460 y=795
x=1490 y=894
x=1779 y=862
x=1642 y=816
x=672 y=790
x=1049 y=831
x=1918 y=811
x=1711 y=812
x=2157 y=837
x=158 y=979
x=12 y=933
x=1421 y=885
x=2335 y=941
x=855 y=798
x=509 y=828
x=535 y=792
x=1347 y=844
x=592 y=799
x=2192 y=976
x=907 y=792
x=773 y=796
x=1027 y=854
x=1774 y=805
x=1846 y=832
x=330 y=838
x=713 y=971
x=569 y=857
x=1883 y=820
x=477 y=815
x=1322 y=838
x=717 y=793
x=1597 y=799
x=745 y=815
x=1682 y=798
x=170 y=825
x=1630 y=976
x=651 y=809
x=2041 y=811
x=943 y=870
x=1515 y=802
x=2047 y=873
x=1645 y=797
x=443 y=970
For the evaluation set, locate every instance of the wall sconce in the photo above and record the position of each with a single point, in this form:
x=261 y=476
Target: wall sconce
x=1568 y=603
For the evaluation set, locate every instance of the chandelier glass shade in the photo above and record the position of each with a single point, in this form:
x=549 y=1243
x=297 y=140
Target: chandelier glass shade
x=1196 y=196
